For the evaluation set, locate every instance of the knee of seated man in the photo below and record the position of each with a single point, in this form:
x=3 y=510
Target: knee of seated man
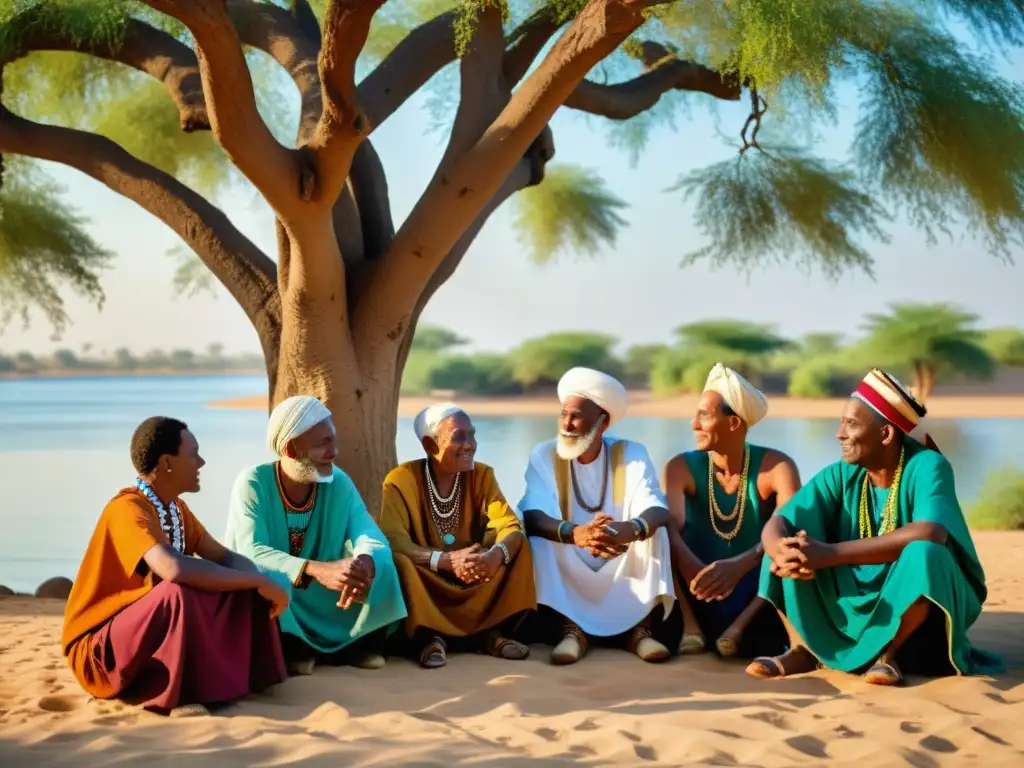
x=925 y=551
x=177 y=593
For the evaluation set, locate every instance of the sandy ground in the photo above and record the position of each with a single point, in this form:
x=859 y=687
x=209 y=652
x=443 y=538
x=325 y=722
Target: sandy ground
x=609 y=710
x=645 y=404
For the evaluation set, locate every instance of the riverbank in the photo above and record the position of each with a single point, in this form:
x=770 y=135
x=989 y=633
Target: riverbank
x=610 y=710
x=83 y=373
x=644 y=403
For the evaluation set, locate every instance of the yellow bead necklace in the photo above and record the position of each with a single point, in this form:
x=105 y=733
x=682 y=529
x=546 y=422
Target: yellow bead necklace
x=888 y=524
x=741 y=500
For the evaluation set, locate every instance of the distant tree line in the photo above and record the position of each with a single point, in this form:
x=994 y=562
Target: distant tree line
x=124 y=360
x=920 y=343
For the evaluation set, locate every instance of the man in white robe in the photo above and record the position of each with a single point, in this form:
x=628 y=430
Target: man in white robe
x=596 y=519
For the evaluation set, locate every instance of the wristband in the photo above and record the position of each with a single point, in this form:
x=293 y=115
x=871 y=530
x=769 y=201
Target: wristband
x=505 y=556
x=435 y=558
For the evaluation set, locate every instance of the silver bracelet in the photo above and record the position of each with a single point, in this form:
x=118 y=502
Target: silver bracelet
x=435 y=558
x=505 y=556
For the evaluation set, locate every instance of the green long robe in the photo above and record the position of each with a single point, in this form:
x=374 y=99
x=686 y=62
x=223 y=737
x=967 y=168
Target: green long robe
x=339 y=527
x=847 y=615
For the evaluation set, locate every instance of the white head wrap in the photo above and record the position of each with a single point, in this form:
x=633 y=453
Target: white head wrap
x=600 y=388
x=293 y=418
x=746 y=401
x=429 y=419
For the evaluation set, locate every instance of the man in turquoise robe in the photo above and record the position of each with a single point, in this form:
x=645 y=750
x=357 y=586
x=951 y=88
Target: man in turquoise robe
x=871 y=564
x=301 y=520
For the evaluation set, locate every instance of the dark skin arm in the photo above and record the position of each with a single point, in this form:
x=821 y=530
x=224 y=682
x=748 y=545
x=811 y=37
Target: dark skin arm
x=169 y=565
x=872 y=551
x=211 y=549
x=541 y=525
x=778 y=479
x=677 y=480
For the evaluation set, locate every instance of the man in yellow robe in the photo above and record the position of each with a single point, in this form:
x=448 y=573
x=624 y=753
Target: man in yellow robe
x=463 y=561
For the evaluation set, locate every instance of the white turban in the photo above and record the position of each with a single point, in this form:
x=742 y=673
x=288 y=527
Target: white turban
x=746 y=401
x=429 y=419
x=293 y=418
x=600 y=388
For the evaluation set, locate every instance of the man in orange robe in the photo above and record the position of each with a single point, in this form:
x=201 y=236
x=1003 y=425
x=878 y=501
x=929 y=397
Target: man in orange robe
x=161 y=614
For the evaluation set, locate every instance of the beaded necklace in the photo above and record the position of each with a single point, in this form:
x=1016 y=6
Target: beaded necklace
x=739 y=505
x=296 y=517
x=169 y=516
x=604 y=485
x=445 y=511
x=888 y=524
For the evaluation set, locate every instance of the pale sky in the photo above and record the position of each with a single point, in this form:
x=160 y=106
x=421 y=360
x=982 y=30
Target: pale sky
x=498 y=298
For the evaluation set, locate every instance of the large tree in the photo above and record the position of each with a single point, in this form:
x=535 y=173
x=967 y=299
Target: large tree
x=929 y=341
x=90 y=84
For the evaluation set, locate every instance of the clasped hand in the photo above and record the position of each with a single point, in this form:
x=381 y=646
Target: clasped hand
x=798 y=557
x=473 y=565
x=350 y=578
x=603 y=539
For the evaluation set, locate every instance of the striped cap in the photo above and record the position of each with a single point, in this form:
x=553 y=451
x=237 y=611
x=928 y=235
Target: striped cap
x=890 y=399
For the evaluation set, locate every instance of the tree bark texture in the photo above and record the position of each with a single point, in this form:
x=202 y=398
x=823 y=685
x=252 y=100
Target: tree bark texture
x=336 y=314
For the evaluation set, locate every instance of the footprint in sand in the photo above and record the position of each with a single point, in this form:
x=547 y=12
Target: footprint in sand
x=547 y=734
x=57 y=704
x=990 y=736
x=845 y=732
x=587 y=725
x=772 y=718
x=631 y=736
x=908 y=727
x=582 y=750
x=939 y=744
x=645 y=752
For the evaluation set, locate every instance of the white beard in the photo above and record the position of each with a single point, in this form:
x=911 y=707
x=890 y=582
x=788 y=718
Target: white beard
x=570 y=446
x=304 y=471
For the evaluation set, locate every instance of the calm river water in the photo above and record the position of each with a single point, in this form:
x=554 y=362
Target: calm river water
x=64 y=452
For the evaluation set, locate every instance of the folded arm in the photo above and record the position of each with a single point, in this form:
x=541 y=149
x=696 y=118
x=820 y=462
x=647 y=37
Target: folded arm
x=169 y=565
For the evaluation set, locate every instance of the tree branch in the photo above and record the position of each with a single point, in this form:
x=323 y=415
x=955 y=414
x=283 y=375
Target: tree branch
x=243 y=269
x=231 y=102
x=449 y=206
x=343 y=125
x=622 y=101
x=527 y=41
x=422 y=54
x=528 y=172
x=482 y=91
x=271 y=29
x=144 y=48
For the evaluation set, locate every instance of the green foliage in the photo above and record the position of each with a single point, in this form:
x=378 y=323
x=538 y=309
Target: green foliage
x=1000 y=504
x=542 y=361
x=191 y=278
x=816 y=379
x=474 y=375
x=43 y=246
x=434 y=338
x=1005 y=345
x=938 y=337
x=941 y=135
x=571 y=211
x=782 y=205
x=638 y=362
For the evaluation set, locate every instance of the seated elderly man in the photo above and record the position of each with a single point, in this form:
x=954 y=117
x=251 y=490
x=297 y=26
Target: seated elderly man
x=301 y=520
x=161 y=615
x=595 y=516
x=720 y=496
x=871 y=564
x=462 y=558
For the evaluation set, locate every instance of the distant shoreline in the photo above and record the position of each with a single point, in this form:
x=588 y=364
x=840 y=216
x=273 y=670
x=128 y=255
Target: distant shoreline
x=643 y=403
x=82 y=373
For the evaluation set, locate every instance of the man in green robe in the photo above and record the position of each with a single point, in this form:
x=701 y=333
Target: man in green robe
x=301 y=520
x=871 y=565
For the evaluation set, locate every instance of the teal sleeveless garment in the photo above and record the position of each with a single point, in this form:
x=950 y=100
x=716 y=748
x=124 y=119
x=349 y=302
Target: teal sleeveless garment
x=698 y=533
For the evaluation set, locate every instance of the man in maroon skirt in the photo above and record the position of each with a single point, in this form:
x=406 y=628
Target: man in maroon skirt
x=162 y=615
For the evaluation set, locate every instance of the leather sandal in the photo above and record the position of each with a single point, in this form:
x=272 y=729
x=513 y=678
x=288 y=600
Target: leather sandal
x=434 y=654
x=503 y=648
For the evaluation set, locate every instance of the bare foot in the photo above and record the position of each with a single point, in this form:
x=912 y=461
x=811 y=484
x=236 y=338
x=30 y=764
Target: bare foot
x=884 y=672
